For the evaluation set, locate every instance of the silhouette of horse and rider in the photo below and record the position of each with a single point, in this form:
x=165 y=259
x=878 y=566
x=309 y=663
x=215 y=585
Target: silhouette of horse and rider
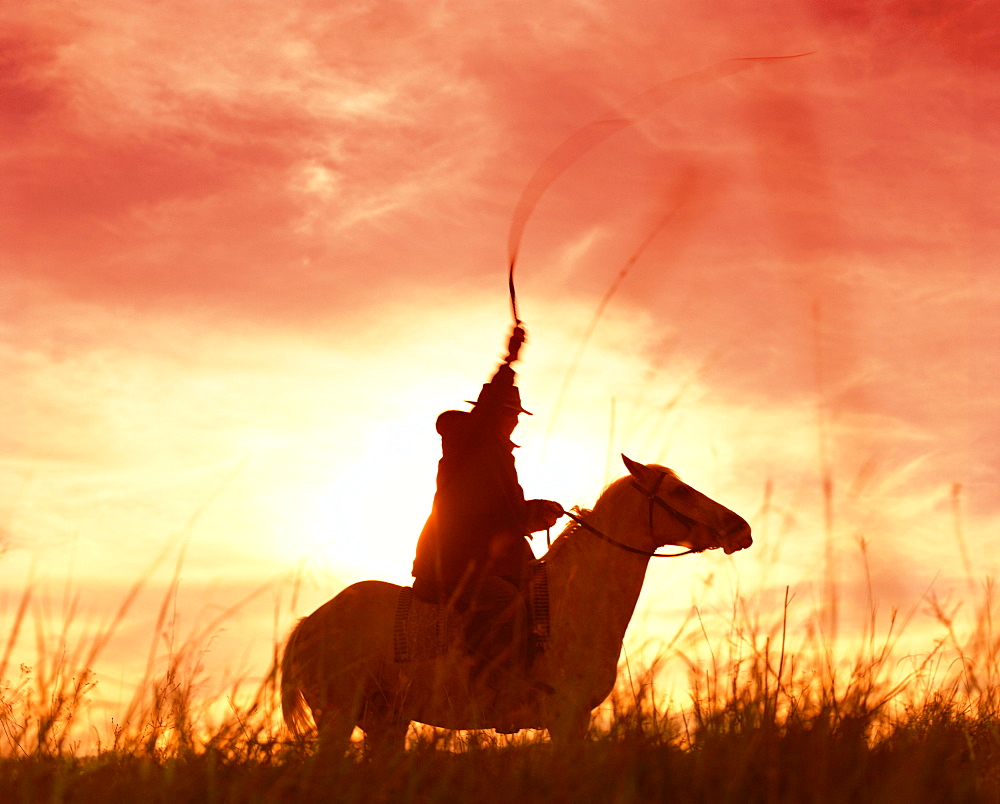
x=455 y=651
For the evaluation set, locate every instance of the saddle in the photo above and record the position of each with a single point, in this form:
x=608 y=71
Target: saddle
x=423 y=630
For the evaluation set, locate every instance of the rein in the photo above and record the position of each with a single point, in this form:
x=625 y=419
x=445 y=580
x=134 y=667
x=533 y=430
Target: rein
x=653 y=500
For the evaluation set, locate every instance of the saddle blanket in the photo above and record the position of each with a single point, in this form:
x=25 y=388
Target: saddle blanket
x=424 y=630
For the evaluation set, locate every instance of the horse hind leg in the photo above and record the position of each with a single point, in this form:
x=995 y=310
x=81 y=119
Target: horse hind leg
x=385 y=732
x=385 y=738
x=334 y=727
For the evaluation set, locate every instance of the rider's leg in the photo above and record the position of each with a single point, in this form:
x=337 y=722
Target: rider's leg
x=497 y=630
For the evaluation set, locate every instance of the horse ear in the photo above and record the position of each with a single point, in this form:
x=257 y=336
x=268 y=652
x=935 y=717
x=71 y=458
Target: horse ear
x=636 y=469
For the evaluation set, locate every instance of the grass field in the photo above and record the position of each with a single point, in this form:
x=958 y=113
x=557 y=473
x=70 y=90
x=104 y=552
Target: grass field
x=765 y=720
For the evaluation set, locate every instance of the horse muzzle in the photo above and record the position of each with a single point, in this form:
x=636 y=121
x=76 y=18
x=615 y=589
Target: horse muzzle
x=737 y=537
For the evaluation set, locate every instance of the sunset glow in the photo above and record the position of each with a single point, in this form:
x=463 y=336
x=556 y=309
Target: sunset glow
x=249 y=252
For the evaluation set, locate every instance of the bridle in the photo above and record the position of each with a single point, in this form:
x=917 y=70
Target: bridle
x=654 y=500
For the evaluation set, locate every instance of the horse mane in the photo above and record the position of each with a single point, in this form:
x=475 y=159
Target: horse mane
x=559 y=543
x=609 y=498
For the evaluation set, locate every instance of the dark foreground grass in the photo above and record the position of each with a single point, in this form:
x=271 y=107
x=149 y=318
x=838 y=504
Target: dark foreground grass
x=937 y=755
x=759 y=722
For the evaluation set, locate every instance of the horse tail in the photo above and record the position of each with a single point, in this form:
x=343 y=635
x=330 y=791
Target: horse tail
x=293 y=704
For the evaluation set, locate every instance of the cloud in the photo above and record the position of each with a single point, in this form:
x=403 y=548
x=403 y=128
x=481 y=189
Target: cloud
x=963 y=31
x=179 y=169
x=275 y=162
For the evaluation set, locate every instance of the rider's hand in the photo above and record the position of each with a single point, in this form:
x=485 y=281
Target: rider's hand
x=517 y=337
x=544 y=514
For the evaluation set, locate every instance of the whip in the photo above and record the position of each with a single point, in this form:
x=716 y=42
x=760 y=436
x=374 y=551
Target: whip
x=595 y=132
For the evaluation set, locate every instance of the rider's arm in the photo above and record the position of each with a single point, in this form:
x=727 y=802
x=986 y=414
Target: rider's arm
x=496 y=391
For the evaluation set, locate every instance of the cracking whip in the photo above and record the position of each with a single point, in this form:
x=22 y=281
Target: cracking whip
x=592 y=134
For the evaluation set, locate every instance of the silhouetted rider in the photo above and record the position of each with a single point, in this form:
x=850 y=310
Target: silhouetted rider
x=473 y=550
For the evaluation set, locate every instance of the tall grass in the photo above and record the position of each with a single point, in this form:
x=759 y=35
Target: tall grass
x=769 y=714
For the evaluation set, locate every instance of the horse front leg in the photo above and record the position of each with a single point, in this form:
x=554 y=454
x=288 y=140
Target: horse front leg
x=569 y=726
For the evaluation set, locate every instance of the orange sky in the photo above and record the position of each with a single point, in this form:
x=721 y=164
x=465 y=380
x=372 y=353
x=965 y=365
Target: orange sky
x=248 y=253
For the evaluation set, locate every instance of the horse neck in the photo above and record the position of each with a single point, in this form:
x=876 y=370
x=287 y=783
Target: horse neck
x=599 y=583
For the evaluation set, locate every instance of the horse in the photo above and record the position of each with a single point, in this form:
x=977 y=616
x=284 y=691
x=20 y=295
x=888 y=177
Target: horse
x=340 y=660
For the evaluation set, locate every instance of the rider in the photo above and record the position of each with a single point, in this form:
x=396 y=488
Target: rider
x=473 y=551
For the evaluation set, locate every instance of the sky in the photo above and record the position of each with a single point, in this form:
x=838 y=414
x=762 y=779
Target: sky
x=249 y=251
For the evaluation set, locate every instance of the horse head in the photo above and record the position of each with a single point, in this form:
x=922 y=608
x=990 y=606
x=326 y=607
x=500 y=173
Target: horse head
x=687 y=517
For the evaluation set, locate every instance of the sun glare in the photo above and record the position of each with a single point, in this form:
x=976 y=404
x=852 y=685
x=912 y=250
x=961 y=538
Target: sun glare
x=362 y=519
x=365 y=519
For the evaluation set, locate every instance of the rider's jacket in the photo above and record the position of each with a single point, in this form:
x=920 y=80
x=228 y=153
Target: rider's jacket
x=479 y=520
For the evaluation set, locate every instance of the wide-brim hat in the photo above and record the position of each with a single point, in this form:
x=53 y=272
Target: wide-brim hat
x=511 y=401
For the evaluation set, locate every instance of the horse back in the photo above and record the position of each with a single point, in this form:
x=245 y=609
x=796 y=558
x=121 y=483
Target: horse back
x=353 y=627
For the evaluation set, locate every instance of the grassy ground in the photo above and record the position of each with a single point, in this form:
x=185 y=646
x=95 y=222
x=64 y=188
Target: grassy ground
x=763 y=723
x=937 y=754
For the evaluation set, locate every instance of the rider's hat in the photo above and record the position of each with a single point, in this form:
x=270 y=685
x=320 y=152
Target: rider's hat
x=508 y=397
